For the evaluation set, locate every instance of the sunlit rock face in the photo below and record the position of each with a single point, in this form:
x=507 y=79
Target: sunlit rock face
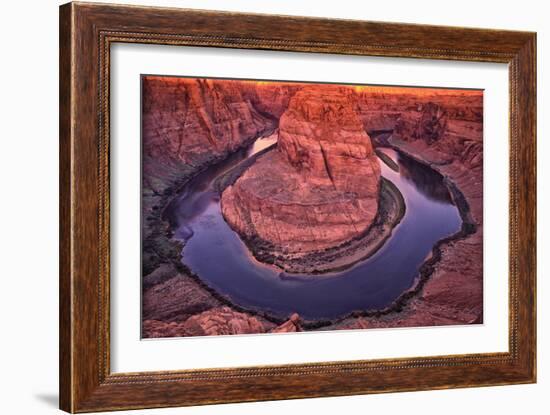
x=321 y=135
x=271 y=99
x=186 y=121
x=320 y=188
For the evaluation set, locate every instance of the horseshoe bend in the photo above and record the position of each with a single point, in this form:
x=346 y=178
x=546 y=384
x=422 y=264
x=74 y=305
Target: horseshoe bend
x=280 y=206
x=317 y=191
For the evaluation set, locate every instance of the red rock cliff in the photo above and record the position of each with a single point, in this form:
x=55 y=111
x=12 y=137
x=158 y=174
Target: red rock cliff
x=320 y=188
x=186 y=121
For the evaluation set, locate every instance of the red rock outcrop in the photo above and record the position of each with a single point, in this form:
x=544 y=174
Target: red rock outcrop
x=214 y=322
x=320 y=188
x=217 y=321
x=432 y=124
x=186 y=121
x=222 y=321
x=172 y=296
x=446 y=135
x=292 y=325
x=446 y=123
x=272 y=99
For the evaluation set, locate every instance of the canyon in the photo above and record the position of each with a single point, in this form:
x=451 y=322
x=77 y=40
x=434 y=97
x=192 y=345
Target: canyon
x=190 y=124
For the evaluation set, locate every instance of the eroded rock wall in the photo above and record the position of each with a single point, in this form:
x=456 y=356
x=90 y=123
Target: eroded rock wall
x=189 y=121
x=448 y=123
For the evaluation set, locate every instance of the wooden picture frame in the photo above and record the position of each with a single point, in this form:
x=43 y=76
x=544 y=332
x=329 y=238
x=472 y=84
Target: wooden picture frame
x=86 y=33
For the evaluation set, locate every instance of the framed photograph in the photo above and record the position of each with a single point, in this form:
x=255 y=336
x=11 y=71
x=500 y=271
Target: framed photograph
x=260 y=207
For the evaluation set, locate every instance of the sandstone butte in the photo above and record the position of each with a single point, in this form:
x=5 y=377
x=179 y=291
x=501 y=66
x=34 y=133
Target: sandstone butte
x=320 y=188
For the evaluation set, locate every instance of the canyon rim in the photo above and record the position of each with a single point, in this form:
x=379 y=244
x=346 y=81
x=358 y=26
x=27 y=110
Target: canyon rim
x=279 y=206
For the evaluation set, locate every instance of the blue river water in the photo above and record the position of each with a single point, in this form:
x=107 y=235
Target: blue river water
x=218 y=256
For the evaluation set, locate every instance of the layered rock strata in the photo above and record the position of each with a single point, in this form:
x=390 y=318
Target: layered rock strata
x=448 y=123
x=218 y=321
x=189 y=122
x=320 y=188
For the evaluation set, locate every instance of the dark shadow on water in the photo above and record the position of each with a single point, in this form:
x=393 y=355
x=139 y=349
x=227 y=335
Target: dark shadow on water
x=426 y=180
x=50 y=399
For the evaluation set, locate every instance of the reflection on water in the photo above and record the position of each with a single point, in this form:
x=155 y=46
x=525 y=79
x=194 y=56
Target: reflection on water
x=217 y=254
x=422 y=177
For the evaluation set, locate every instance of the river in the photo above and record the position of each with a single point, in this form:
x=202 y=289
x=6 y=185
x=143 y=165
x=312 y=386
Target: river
x=218 y=256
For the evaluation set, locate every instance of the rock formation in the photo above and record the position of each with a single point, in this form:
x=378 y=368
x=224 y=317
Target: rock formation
x=320 y=188
x=446 y=124
x=169 y=295
x=220 y=321
x=214 y=322
x=188 y=121
x=430 y=126
x=292 y=325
